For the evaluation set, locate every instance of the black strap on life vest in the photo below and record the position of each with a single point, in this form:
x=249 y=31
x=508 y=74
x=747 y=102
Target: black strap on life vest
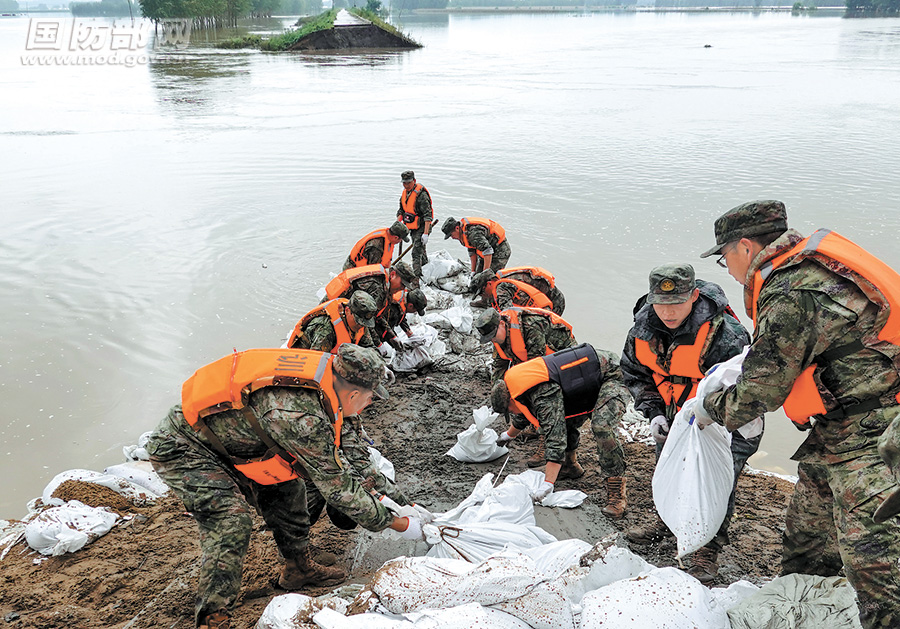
x=858 y=408
x=577 y=372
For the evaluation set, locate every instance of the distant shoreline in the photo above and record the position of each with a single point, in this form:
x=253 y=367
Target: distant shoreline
x=583 y=9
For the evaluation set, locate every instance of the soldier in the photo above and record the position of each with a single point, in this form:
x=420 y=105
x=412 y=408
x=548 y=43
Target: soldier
x=485 y=240
x=501 y=293
x=416 y=213
x=541 y=279
x=377 y=247
x=682 y=328
x=402 y=303
x=328 y=326
x=556 y=394
x=824 y=348
x=520 y=334
x=251 y=427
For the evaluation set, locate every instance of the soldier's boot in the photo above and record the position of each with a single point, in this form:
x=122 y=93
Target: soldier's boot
x=479 y=303
x=703 y=565
x=571 y=468
x=537 y=459
x=529 y=433
x=616 y=500
x=216 y=620
x=304 y=571
x=649 y=534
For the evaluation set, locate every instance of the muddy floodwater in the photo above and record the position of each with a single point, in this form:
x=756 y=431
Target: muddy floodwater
x=154 y=217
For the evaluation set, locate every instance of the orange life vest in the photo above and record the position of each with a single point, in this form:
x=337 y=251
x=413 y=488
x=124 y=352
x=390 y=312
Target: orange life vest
x=491 y=226
x=535 y=272
x=525 y=295
x=332 y=309
x=879 y=282
x=227 y=385
x=678 y=383
x=340 y=286
x=576 y=370
x=514 y=331
x=408 y=203
x=356 y=254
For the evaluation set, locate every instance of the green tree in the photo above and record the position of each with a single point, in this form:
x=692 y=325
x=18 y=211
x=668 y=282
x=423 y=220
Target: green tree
x=9 y=6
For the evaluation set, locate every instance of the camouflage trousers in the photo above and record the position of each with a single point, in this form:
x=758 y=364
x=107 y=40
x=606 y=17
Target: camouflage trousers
x=316 y=502
x=502 y=253
x=610 y=452
x=220 y=506
x=419 y=255
x=829 y=525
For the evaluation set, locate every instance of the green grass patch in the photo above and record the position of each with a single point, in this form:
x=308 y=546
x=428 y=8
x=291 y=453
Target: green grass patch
x=247 y=41
x=322 y=22
x=375 y=19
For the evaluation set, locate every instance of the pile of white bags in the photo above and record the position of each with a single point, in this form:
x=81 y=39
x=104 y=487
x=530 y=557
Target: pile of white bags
x=532 y=479
x=420 y=349
x=478 y=443
x=138 y=452
x=446 y=272
x=140 y=473
x=68 y=528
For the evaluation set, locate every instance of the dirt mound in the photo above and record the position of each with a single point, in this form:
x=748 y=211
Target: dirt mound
x=344 y=37
x=143 y=574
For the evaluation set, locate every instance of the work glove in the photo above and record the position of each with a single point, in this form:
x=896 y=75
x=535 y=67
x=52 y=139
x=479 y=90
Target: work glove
x=659 y=428
x=424 y=239
x=424 y=514
x=413 y=529
x=544 y=490
x=700 y=416
x=383 y=350
x=504 y=439
x=396 y=344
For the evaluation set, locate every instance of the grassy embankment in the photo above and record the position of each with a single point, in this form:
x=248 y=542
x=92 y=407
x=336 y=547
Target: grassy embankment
x=322 y=22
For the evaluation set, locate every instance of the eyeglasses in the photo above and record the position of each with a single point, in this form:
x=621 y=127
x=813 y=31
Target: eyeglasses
x=721 y=259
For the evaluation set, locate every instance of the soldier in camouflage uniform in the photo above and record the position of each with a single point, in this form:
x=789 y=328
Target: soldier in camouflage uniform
x=319 y=334
x=486 y=249
x=505 y=293
x=219 y=497
x=409 y=301
x=372 y=250
x=805 y=308
x=528 y=276
x=425 y=216
x=669 y=321
x=547 y=403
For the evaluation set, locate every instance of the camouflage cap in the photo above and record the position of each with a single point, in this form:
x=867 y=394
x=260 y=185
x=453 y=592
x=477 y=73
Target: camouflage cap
x=400 y=230
x=416 y=298
x=363 y=308
x=480 y=280
x=448 y=226
x=500 y=397
x=487 y=323
x=361 y=366
x=407 y=175
x=747 y=220
x=408 y=277
x=671 y=284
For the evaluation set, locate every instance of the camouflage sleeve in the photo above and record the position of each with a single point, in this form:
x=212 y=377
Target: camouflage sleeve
x=373 y=250
x=320 y=334
x=639 y=380
x=355 y=448
x=423 y=206
x=478 y=240
x=366 y=339
x=729 y=339
x=303 y=430
x=506 y=296
x=376 y=287
x=535 y=330
x=383 y=330
x=499 y=366
x=546 y=404
x=614 y=396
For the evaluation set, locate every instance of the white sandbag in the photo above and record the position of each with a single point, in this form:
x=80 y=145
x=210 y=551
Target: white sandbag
x=140 y=473
x=551 y=560
x=734 y=594
x=799 y=601
x=532 y=479
x=480 y=492
x=615 y=565
x=665 y=598
x=381 y=463
x=138 y=452
x=458 y=284
x=476 y=541
x=544 y=607
x=465 y=616
x=510 y=502
x=68 y=528
x=139 y=495
x=460 y=317
x=722 y=376
x=478 y=443
x=410 y=359
x=416 y=348
x=409 y=584
x=296 y=611
x=440 y=265
x=330 y=619
x=693 y=480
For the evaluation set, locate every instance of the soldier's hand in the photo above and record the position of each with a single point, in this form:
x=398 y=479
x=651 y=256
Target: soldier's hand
x=659 y=428
x=413 y=529
x=504 y=439
x=396 y=344
x=424 y=239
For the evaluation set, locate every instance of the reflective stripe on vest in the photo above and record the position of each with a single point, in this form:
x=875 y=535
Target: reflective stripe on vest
x=514 y=331
x=332 y=309
x=525 y=295
x=227 y=385
x=576 y=370
x=408 y=203
x=678 y=384
x=805 y=400
x=491 y=226
x=535 y=272
x=339 y=286
x=356 y=254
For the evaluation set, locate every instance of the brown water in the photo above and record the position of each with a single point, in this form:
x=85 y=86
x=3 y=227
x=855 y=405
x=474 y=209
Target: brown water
x=156 y=216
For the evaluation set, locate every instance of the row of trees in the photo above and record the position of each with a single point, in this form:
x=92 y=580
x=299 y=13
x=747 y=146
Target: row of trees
x=873 y=7
x=213 y=13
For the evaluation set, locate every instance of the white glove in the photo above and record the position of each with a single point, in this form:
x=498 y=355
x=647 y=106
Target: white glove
x=659 y=428
x=413 y=529
x=424 y=514
x=544 y=490
x=504 y=439
x=383 y=350
x=424 y=239
x=700 y=415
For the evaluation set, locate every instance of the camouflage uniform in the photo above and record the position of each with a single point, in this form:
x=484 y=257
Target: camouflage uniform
x=423 y=209
x=539 y=334
x=218 y=497
x=726 y=338
x=561 y=434
x=804 y=309
x=554 y=294
x=484 y=243
x=508 y=296
x=318 y=334
x=372 y=251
